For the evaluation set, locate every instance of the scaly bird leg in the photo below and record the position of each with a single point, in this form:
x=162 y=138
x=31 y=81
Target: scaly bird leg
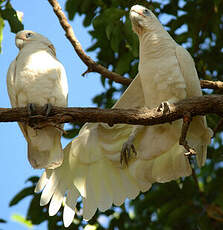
x=128 y=146
x=186 y=123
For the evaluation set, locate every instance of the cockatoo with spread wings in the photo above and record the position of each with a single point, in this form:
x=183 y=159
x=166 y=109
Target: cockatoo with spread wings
x=91 y=167
x=36 y=77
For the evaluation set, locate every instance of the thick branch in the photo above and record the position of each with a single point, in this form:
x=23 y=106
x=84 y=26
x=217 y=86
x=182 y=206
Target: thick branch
x=196 y=106
x=92 y=65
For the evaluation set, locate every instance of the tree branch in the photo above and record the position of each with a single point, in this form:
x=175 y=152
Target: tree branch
x=205 y=84
x=92 y=65
x=209 y=104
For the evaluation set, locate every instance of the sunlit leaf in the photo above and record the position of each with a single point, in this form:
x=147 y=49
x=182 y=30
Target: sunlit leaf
x=10 y=15
x=90 y=227
x=20 y=219
x=3 y=221
x=1 y=32
x=21 y=195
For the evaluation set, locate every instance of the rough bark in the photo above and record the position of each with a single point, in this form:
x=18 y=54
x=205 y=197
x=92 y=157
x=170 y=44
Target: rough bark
x=209 y=104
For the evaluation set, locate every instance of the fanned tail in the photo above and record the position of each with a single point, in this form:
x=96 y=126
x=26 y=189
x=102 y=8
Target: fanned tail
x=92 y=172
x=99 y=183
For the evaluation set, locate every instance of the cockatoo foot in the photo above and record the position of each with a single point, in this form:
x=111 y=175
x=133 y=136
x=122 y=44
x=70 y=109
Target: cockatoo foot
x=47 y=108
x=127 y=147
x=164 y=107
x=190 y=151
x=31 y=108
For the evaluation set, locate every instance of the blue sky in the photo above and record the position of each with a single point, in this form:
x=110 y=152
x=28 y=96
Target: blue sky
x=15 y=169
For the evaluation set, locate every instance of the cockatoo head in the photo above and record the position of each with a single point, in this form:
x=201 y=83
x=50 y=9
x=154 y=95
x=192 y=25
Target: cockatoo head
x=142 y=19
x=25 y=37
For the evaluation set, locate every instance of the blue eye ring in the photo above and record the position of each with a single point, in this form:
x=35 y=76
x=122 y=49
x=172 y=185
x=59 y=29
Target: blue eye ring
x=28 y=35
x=146 y=12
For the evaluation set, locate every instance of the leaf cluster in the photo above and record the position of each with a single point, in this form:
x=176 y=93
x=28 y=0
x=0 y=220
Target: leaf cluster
x=7 y=13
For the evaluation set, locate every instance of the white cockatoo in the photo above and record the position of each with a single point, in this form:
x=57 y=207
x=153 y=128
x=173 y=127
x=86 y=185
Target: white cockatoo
x=91 y=167
x=36 y=77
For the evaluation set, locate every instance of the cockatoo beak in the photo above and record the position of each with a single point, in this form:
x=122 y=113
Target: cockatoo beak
x=136 y=12
x=135 y=15
x=19 y=40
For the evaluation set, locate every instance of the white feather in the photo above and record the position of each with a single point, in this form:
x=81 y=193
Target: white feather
x=49 y=189
x=70 y=205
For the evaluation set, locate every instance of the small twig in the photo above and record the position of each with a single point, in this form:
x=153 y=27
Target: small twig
x=187 y=118
x=205 y=84
x=92 y=65
x=214 y=212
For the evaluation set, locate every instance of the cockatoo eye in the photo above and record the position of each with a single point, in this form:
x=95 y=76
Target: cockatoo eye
x=28 y=35
x=146 y=12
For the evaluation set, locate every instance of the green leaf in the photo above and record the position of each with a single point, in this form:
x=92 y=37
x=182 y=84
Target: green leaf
x=90 y=227
x=124 y=63
x=36 y=213
x=116 y=38
x=10 y=15
x=33 y=180
x=21 y=195
x=109 y=28
x=2 y=221
x=20 y=219
x=132 y=42
x=1 y=32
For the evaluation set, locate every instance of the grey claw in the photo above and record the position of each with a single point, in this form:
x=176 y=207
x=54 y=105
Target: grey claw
x=164 y=107
x=47 y=108
x=126 y=152
x=31 y=108
x=134 y=150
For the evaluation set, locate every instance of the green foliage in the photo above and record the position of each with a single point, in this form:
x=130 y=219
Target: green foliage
x=9 y=14
x=2 y=221
x=1 y=32
x=20 y=219
x=184 y=204
x=112 y=36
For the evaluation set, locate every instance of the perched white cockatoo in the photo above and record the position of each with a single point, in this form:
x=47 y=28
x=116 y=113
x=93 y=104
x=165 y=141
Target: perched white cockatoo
x=91 y=167
x=36 y=77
